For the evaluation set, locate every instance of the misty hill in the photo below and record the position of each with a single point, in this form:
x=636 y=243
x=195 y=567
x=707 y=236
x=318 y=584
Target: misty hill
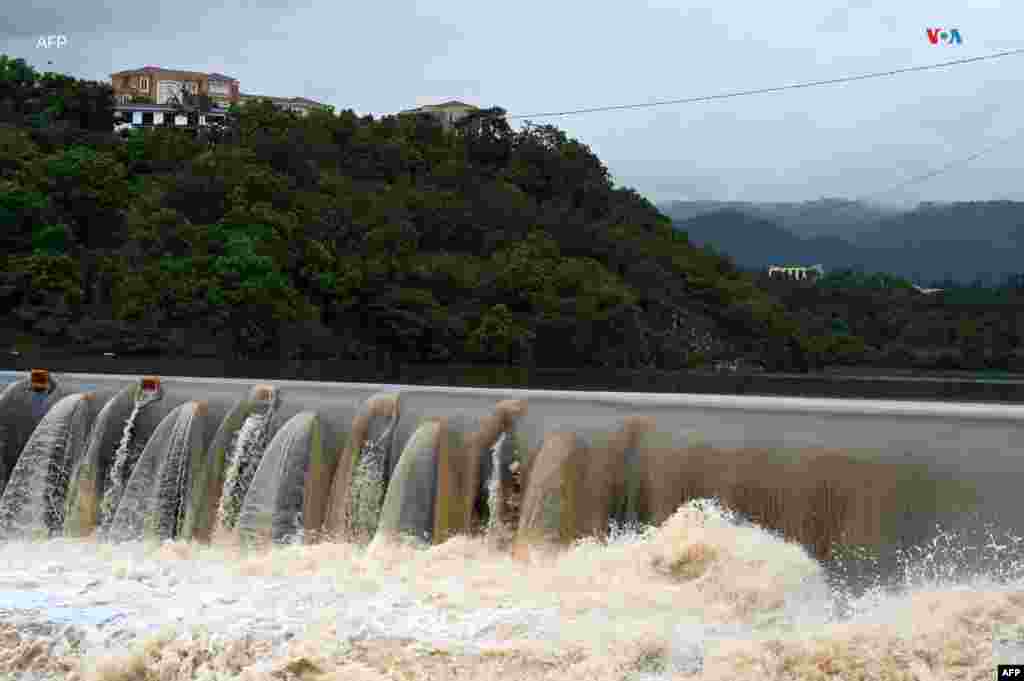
x=755 y=243
x=825 y=217
x=1000 y=223
x=964 y=241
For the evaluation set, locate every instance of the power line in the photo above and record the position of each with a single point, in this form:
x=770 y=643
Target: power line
x=781 y=88
x=916 y=179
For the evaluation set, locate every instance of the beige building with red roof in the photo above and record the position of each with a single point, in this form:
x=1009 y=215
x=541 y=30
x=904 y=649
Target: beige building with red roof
x=158 y=85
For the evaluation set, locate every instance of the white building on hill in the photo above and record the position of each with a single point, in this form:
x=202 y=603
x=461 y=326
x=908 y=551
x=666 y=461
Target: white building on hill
x=799 y=273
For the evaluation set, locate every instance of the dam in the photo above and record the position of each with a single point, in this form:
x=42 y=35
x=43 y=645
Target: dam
x=347 y=527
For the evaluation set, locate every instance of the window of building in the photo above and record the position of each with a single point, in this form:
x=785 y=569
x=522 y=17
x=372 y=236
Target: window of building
x=144 y=82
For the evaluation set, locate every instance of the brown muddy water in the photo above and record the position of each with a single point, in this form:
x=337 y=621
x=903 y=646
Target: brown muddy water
x=703 y=596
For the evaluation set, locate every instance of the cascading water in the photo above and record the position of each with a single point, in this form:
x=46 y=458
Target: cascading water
x=495 y=499
x=297 y=536
x=151 y=504
x=274 y=505
x=246 y=451
x=33 y=500
x=40 y=403
x=174 y=480
x=22 y=405
x=127 y=455
x=368 y=488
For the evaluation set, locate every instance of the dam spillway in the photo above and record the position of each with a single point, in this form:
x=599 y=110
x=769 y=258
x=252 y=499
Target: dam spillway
x=322 y=467
x=291 y=461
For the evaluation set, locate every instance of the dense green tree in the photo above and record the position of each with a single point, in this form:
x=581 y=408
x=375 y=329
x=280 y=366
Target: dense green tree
x=90 y=188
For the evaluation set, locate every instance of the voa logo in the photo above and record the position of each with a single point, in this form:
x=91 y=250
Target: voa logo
x=944 y=36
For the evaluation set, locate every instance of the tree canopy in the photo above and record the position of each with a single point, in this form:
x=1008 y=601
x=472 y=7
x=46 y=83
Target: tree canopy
x=345 y=235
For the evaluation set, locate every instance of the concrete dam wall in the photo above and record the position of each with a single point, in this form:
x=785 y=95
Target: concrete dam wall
x=258 y=462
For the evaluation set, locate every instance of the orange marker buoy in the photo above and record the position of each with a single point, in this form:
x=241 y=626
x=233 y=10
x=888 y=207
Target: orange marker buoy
x=40 y=380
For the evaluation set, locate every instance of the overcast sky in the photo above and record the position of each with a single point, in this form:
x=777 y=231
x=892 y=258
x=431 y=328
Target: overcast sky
x=539 y=56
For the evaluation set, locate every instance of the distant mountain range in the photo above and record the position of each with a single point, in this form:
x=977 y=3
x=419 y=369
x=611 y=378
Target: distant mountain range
x=965 y=241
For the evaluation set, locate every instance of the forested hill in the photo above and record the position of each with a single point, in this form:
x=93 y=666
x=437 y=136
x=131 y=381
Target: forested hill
x=352 y=237
x=824 y=217
x=960 y=241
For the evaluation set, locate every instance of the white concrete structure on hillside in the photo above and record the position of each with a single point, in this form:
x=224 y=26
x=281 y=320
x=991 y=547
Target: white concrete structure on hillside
x=796 y=272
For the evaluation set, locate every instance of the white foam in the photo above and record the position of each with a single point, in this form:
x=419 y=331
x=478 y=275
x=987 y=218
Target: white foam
x=705 y=593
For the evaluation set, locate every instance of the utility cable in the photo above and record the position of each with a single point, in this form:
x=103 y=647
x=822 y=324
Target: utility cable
x=781 y=88
x=916 y=179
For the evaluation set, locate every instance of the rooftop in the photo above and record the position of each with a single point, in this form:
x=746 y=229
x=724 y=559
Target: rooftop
x=306 y=100
x=451 y=104
x=448 y=104
x=156 y=69
x=290 y=100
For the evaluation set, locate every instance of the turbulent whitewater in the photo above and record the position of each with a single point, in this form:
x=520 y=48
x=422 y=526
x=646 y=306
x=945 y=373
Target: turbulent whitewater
x=704 y=596
x=246 y=452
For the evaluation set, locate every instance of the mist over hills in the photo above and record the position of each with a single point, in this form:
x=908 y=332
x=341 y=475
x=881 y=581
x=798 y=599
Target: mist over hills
x=962 y=241
x=824 y=217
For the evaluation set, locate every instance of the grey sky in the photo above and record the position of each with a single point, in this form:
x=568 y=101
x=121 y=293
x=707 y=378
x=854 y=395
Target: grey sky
x=531 y=56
